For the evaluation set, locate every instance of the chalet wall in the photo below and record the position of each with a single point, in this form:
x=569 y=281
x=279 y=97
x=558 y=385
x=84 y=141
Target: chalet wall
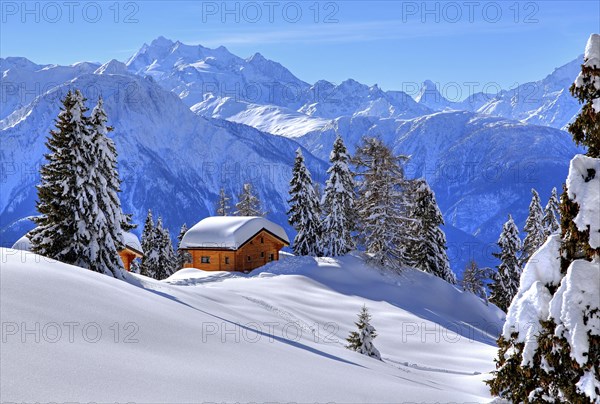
x=127 y=258
x=217 y=260
x=257 y=252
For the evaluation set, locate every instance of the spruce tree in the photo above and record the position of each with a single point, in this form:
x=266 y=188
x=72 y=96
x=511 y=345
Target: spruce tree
x=534 y=228
x=81 y=217
x=563 y=355
x=304 y=210
x=183 y=257
x=148 y=233
x=135 y=266
x=223 y=206
x=427 y=251
x=567 y=371
x=248 y=202
x=166 y=261
x=551 y=215
x=475 y=280
x=382 y=217
x=55 y=234
x=506 y=281
x=585 y=129
x=338 y=203
x=108 y=219
x=362 y=340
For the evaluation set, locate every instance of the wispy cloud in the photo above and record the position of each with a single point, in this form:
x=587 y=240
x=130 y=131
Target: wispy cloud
x=351 y=32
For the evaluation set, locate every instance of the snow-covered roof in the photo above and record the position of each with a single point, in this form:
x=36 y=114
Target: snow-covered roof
x=23 y=244
x=228 y=231
x=132 y=242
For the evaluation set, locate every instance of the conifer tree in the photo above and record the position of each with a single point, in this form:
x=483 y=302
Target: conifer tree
x=382 y=218
x=248 y=202
x=135 y=266
x=551 y=215
x=534 y=228
x=304 y=212
x=223 y=206
x=56 y=235
x=183 y=257
x=559 y=362
x=107 y=219
x=362 y=340
x=475 y=280
x=148 y=261
x=81 y=219
x=166 y=260
x=427 y=251
x=575 y=377
x=506 y=280
x=338 y=203
x=585 y=129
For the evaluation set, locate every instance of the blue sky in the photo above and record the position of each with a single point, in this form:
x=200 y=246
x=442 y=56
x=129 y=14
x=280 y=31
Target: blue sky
x=391 y=43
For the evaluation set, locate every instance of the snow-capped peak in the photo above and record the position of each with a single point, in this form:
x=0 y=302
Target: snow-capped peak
x=257 y=57
x=112 y=67
x=162 y=42
x=430 y=96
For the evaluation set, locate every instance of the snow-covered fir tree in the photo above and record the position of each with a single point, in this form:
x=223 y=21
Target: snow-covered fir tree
x=362 y=340
x=148 y=264
x=338 y=203
x=248 y=202
x=108 y=219
x=167 y=260
x=304 y=213
x=58 y=201
x=135 y=266
x=586 y=89
x=81 y=215
x=183 y=257
x=536 y=234
x=427 y=250
x=223 y=204
x=475 y=280
x=551 y=220
x=559 y=296
x=382 y=217
x=506 y=280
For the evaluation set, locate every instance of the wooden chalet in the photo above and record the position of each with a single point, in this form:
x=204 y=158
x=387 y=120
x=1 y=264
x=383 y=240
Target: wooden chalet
x=132 y=250
x=233 y=243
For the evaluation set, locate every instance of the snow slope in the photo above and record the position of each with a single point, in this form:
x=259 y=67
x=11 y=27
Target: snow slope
x=222 y=337
x=267 y=118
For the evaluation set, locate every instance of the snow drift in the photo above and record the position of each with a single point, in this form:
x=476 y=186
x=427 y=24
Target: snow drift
x=274 y=335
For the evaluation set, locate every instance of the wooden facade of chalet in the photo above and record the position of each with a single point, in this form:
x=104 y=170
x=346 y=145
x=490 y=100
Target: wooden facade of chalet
x=255 y=252
x=128 y=254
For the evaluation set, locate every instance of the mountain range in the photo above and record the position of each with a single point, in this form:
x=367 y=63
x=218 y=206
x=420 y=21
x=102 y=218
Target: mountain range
x=189 y=120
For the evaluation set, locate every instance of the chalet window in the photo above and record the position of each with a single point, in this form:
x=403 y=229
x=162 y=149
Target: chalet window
x=249 y=258
x=262 y=254
x=227 y=260
x=271 y=257
x=205 y=260
x=262 y=240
